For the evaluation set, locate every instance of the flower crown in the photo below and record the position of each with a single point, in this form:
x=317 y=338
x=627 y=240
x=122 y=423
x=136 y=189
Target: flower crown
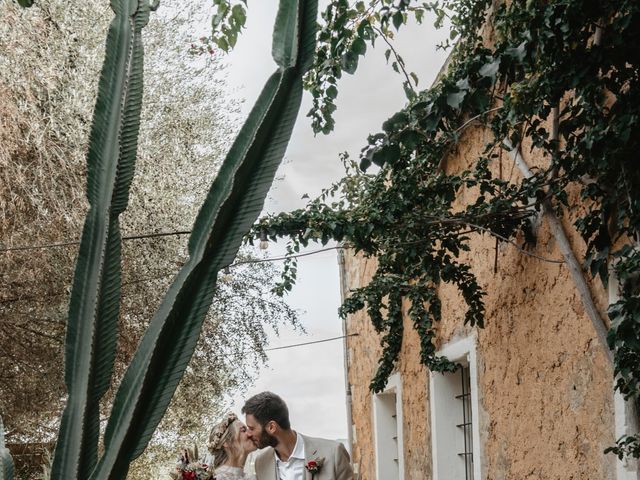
x=219 y=430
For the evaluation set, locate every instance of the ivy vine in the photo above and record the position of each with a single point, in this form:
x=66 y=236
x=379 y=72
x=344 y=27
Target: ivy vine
x=575 y=61
x=514 y=66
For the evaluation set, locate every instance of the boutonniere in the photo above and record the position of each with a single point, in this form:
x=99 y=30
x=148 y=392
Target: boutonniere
x=314 y=466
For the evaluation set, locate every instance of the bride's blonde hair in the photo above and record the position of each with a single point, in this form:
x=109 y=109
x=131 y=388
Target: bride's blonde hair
x=223 y=439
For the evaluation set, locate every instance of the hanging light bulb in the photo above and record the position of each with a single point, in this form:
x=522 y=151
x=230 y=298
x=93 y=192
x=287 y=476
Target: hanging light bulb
x=264 y=241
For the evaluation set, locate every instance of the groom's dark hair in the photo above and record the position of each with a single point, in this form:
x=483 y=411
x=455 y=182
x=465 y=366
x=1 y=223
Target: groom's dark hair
x=267 y=406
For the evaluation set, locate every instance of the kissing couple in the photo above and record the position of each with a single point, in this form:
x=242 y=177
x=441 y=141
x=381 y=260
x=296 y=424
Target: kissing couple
x=287 y=454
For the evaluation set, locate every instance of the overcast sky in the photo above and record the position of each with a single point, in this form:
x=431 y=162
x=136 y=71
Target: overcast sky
x=311 y=378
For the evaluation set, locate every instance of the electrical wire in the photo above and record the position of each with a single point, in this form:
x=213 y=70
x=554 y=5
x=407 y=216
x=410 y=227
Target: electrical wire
x=246 y=262
x=77 y=242
x=311 y=342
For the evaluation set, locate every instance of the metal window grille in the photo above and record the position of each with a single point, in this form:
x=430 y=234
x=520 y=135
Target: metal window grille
x=395 y=431
x=465 y=426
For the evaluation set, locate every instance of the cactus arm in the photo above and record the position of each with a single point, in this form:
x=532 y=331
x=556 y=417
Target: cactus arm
x=90 y=343
x=232 y=205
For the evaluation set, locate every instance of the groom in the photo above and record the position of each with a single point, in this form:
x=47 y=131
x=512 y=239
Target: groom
x=290 y=456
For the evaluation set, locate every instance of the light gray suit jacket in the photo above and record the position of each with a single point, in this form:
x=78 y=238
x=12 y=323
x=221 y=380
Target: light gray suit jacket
x=336 y=464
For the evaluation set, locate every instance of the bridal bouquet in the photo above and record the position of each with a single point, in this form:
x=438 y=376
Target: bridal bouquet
x=189 y=469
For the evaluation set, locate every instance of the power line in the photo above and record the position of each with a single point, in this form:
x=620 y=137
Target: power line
x=37 y=247
x=243 y=355
x=246 y=262
x=170 y=274
x=154 y=235
x=311 y=343
x=77 y=242
x=285 y=257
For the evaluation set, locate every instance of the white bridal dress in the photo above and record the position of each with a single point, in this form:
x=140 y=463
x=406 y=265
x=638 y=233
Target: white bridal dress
x=224 y=472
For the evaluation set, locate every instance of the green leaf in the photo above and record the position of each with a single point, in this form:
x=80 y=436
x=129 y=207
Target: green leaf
x=359 y=47
x=232 y=205
x=408 y=90
x=386 y=154
x=232 y=38
x=397 y=122
x=410 y=139
x=222 y=43
x=95 y=298
x=490 y=69
x=25 y=3
x=518 y=52
x=364 y=30
x=398 y=19
x=365 y=163
x=216 y=20
x=463 y=83
x=431 y=122
x=350 y=62
x=239 y=15
x=332 y=92
x=454 y=100
x=480 y=100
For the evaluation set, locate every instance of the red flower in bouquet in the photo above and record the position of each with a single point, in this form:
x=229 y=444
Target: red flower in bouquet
x=188 y=475
x=188 y=468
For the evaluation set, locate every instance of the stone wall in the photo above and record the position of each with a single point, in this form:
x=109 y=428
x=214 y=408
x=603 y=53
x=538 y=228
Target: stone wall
x=544 y=383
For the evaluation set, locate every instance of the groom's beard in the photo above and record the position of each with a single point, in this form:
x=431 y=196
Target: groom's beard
x=266 y=440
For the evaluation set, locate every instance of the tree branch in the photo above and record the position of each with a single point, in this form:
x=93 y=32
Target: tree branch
x=571 y=261
x=395 y=54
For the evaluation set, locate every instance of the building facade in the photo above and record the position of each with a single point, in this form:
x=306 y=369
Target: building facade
x=534 y=399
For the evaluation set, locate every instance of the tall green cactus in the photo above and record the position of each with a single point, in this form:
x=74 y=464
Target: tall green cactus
x=232 y=205
x=94 y=307
x=6 y=462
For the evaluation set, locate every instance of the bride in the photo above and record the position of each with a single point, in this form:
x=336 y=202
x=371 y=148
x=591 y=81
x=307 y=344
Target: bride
x=229 y=445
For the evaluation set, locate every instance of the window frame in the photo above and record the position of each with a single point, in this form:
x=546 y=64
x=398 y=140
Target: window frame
x=394 y=386
x=463 y=351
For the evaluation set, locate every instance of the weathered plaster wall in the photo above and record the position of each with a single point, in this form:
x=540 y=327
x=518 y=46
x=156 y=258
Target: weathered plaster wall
x=545 y=386
x=363 y=350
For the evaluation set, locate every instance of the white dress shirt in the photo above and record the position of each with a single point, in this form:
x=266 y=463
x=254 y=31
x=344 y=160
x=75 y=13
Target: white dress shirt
x=292 y=469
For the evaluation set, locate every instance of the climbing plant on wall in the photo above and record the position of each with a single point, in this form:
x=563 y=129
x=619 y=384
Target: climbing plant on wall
x=563 y=74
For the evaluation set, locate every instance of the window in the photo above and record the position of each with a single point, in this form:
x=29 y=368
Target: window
x=464 y=404
x=626 y=419
x=625 y=423
x=387 y=425
x=454 y=416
